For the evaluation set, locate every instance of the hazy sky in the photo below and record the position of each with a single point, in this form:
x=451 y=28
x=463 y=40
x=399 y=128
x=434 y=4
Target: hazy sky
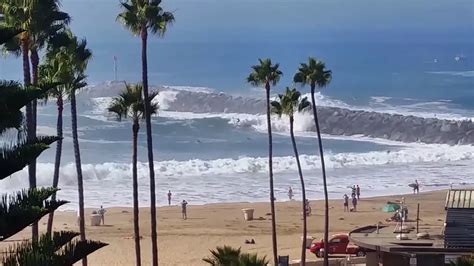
x=197 y=20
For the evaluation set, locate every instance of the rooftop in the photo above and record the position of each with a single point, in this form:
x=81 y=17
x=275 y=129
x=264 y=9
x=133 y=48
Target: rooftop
x=385 y=240
x=460 y=198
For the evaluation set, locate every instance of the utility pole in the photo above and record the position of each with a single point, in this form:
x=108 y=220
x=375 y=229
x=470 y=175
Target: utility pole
x=115 y=68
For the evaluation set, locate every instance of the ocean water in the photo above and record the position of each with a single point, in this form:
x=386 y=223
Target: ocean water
x=420 y=65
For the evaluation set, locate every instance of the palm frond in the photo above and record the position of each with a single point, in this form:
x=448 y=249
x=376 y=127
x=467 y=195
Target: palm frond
x=77 y=250
x=56 y=250
x=15 y=157
x=252 y=260
x=7 y=34
x=225 y=255
x=289 y=103
x=265 y=73
x=19 y=210
x=313 y=73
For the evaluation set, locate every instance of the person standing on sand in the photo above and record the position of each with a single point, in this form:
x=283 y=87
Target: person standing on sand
x=102 y=212
x=346 y=203
x=308 y=208
x=354 y=203
x=353 y=194
x=358 y=192
x=184 y=209
x=169 y=197
x=290 y=193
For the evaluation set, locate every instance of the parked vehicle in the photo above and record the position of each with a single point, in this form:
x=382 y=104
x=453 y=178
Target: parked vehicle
x=338 y=244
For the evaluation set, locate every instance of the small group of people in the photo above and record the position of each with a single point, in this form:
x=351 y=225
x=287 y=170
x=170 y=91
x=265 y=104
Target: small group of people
x=184 y=206
x=355 y=195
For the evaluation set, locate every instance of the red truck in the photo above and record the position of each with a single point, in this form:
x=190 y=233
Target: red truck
x=338 y=244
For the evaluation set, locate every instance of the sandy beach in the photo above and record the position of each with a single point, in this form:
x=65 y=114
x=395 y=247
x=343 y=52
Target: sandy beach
x=186 y=242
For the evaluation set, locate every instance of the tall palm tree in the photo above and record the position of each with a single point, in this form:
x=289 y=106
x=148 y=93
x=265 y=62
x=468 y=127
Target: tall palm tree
x=73 y=57
x=130 y=104
x=315 y=74
x=266 y=74
x=40 y=20
x=288 y=104
x=50 y=72
x=140 y=17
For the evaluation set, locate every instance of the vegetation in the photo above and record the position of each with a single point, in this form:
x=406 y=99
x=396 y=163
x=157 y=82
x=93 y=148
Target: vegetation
x=315 y=74
x=130 y=103
x=17 y=211
x=266 y=74
x=228 y=256
x=40 y=21
x=463 y=261
x=141 y=17
x=50 y=73
x=288 y=104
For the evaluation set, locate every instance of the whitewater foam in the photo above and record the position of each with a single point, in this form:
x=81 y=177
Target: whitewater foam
x=244 y=179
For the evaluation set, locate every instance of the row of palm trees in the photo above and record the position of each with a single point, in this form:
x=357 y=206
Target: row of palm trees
x=65 y=63
x=66 y=57
x=314 y=74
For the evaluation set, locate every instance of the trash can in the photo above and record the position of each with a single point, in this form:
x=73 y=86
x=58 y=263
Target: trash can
x=309 y=241
x=95 y=219
x=248 y=214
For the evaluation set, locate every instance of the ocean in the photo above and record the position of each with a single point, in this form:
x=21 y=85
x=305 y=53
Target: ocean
x=412 y=58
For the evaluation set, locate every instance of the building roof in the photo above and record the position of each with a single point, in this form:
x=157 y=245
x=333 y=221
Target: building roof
x=459 y=231
x=460 y=199
x=385 y=240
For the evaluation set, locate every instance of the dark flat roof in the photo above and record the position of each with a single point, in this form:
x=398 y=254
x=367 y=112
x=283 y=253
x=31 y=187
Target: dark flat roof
x=386 y=241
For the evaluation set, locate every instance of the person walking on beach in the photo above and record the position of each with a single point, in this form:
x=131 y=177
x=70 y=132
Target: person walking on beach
x=416 y=188
x=290 y=193
x=184 y=209
x=358 y=192
x=102 y=212
x=346 y=203
x=308 y=208
x=354 y=203
x=169 y=197
x=353 y=194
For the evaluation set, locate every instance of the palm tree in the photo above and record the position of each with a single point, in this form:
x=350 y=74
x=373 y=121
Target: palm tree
x=19 y=210
x=229 y=256
x=40 y=20
x=141 y=16
x=266 y=74
x=50 y=73
x=315 y=75
x=130 y=104
x=73 y=57
x=287 y=104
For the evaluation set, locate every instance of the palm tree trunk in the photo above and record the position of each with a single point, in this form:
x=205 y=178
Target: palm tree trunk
x=136 y=224
x=303 y=193
x=34 y=72
x=32 y=166
x=77 y=157
x=323 y=169
x=270 y=172
x=57 y=161
x=30 y=128
x=149 y=140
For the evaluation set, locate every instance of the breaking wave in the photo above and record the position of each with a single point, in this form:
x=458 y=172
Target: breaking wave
x=337 y=117
x=419 y=153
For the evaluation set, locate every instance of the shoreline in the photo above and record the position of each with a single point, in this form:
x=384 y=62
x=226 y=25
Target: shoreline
x=212 y=225
x=296 y=199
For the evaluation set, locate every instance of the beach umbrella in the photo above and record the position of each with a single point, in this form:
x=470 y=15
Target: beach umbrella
x=391 y=207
